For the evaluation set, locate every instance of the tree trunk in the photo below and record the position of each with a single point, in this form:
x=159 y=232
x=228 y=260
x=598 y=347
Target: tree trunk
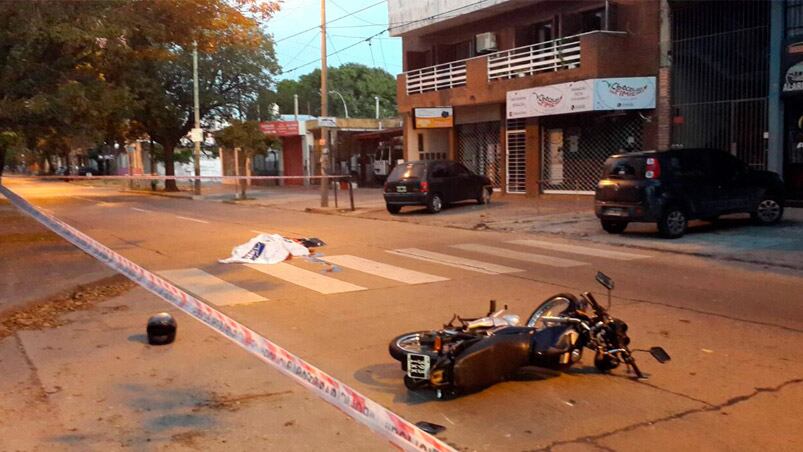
x=170 y=184
x=2 y=160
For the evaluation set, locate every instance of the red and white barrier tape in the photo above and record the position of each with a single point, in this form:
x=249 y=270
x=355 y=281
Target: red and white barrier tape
x=157 y=177
x=364 y=410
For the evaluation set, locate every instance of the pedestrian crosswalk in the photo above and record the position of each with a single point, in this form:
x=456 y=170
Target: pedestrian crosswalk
x=401 y=266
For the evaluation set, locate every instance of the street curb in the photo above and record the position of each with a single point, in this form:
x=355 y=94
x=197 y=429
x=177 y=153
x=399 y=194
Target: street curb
x=177 y=195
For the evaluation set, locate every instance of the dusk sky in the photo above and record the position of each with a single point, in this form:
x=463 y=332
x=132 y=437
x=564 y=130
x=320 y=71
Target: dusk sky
x=302 y=18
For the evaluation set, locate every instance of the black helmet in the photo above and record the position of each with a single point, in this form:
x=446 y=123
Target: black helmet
x=161 y=329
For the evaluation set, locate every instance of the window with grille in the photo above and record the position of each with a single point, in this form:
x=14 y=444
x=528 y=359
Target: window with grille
x=516 y=175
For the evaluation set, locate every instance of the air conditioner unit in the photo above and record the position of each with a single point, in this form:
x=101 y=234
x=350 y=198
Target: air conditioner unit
x=486 y=43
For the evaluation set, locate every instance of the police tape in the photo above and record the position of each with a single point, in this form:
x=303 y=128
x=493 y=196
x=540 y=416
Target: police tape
x=364 y=410
x=68 y=177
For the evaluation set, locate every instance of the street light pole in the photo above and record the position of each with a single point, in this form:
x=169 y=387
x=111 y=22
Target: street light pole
x=324 y=112
x=345 y=107
x=197 y=112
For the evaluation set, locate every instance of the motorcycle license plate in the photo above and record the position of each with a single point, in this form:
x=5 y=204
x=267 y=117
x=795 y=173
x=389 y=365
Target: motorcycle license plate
x=401 y=189
x=417 y=366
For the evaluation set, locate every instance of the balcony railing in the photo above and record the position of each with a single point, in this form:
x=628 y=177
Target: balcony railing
x=434 y=78
x=549 y=56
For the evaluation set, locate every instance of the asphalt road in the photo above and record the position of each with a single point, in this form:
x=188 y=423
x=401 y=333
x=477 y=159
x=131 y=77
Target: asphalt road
x=735 y=380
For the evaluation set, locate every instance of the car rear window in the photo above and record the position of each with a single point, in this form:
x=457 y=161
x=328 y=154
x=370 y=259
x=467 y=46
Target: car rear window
x=624 y=168
x=407 y=171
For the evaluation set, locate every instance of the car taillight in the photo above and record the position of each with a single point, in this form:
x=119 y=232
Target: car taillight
x=424 y=187
x=653 y=169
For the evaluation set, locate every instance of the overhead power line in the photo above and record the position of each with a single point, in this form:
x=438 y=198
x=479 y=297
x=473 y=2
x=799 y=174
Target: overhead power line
x=397 y=25
x=330 y=21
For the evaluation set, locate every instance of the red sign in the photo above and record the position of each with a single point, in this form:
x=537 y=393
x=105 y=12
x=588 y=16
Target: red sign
x=279 y=128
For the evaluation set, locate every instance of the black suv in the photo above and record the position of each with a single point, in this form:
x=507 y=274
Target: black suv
x=433 y=183
x=673 y=187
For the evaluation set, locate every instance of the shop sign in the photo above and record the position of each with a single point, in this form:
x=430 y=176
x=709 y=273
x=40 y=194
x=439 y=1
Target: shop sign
x=630 y=93
x=280 y=128
x=433 y=118
x=572 y=97
x=793 y=80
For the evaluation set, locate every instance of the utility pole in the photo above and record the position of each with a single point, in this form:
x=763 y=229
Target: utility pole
x=324 y=112
x=295 y=106
x=197 y=110
x=376 y=98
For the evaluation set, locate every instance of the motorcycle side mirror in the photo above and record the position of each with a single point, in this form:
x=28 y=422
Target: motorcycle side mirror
x=605 y=280
x=660 y=354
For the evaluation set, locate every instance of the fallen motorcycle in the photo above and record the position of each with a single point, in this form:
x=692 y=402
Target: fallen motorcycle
x=470 y=354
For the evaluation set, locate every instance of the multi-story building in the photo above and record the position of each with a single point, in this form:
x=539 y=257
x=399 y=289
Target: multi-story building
x=537 y=93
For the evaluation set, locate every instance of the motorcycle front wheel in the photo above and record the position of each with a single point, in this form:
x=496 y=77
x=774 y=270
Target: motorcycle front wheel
x=560 y=305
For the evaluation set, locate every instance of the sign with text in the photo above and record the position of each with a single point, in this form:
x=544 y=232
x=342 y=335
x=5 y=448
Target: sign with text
x=433 y=118
x=280 y=128
x=327 y=121
x=628 y=93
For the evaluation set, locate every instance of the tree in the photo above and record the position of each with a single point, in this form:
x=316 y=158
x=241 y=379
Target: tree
x=246 y=136
x=357 y=83
x=236 y=62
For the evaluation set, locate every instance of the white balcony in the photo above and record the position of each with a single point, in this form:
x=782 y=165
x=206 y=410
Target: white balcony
x=549 y=56
x=434 y=78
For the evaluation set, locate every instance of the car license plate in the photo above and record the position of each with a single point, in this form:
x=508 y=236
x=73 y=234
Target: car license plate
x=401 y=189
x=418 y=366
x=616 y=211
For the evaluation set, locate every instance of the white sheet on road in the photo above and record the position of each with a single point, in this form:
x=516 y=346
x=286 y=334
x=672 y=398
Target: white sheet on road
x=265 y=249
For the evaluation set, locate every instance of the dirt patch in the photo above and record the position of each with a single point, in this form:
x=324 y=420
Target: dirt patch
x=234 y=403
x=47 y=313
x=29 y=237
x=188 y=439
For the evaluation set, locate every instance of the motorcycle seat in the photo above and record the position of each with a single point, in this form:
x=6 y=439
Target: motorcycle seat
x=553 y=339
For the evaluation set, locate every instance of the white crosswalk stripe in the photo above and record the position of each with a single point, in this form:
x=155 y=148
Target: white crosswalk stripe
x=383 y=270
x=518 y=255
x=454 y=261
x=210 y=287
x=305 y=278
x=584 y=250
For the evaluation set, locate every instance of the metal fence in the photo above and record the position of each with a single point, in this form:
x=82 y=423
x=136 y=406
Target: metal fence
x=478 y=149
x=434 y=78
x=572 y=157
x=554 y=55
x=720 y=78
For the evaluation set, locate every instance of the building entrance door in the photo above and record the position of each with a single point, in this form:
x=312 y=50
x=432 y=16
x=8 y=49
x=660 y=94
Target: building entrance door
x=793 y=150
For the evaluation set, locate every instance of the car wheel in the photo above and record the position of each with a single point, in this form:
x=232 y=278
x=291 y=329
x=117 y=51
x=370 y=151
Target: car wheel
x=673 y=223
x=434 y=203
x=484 y=196
x=768 y=211
x=393 y=209
x=614 y=227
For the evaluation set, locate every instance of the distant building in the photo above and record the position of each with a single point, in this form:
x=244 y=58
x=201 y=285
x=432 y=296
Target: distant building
x=537 y=93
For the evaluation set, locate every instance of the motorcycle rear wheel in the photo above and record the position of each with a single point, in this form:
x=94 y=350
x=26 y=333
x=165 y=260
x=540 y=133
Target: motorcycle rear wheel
x=408 y=343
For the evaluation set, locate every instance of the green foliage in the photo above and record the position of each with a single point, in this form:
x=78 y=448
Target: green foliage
x=357 y=83
x=245 y=135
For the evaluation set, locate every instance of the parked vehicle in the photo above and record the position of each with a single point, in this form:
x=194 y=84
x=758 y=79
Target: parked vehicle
x=387 y=154
x=675 y=186
x=470 y=354
x=434 y=183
